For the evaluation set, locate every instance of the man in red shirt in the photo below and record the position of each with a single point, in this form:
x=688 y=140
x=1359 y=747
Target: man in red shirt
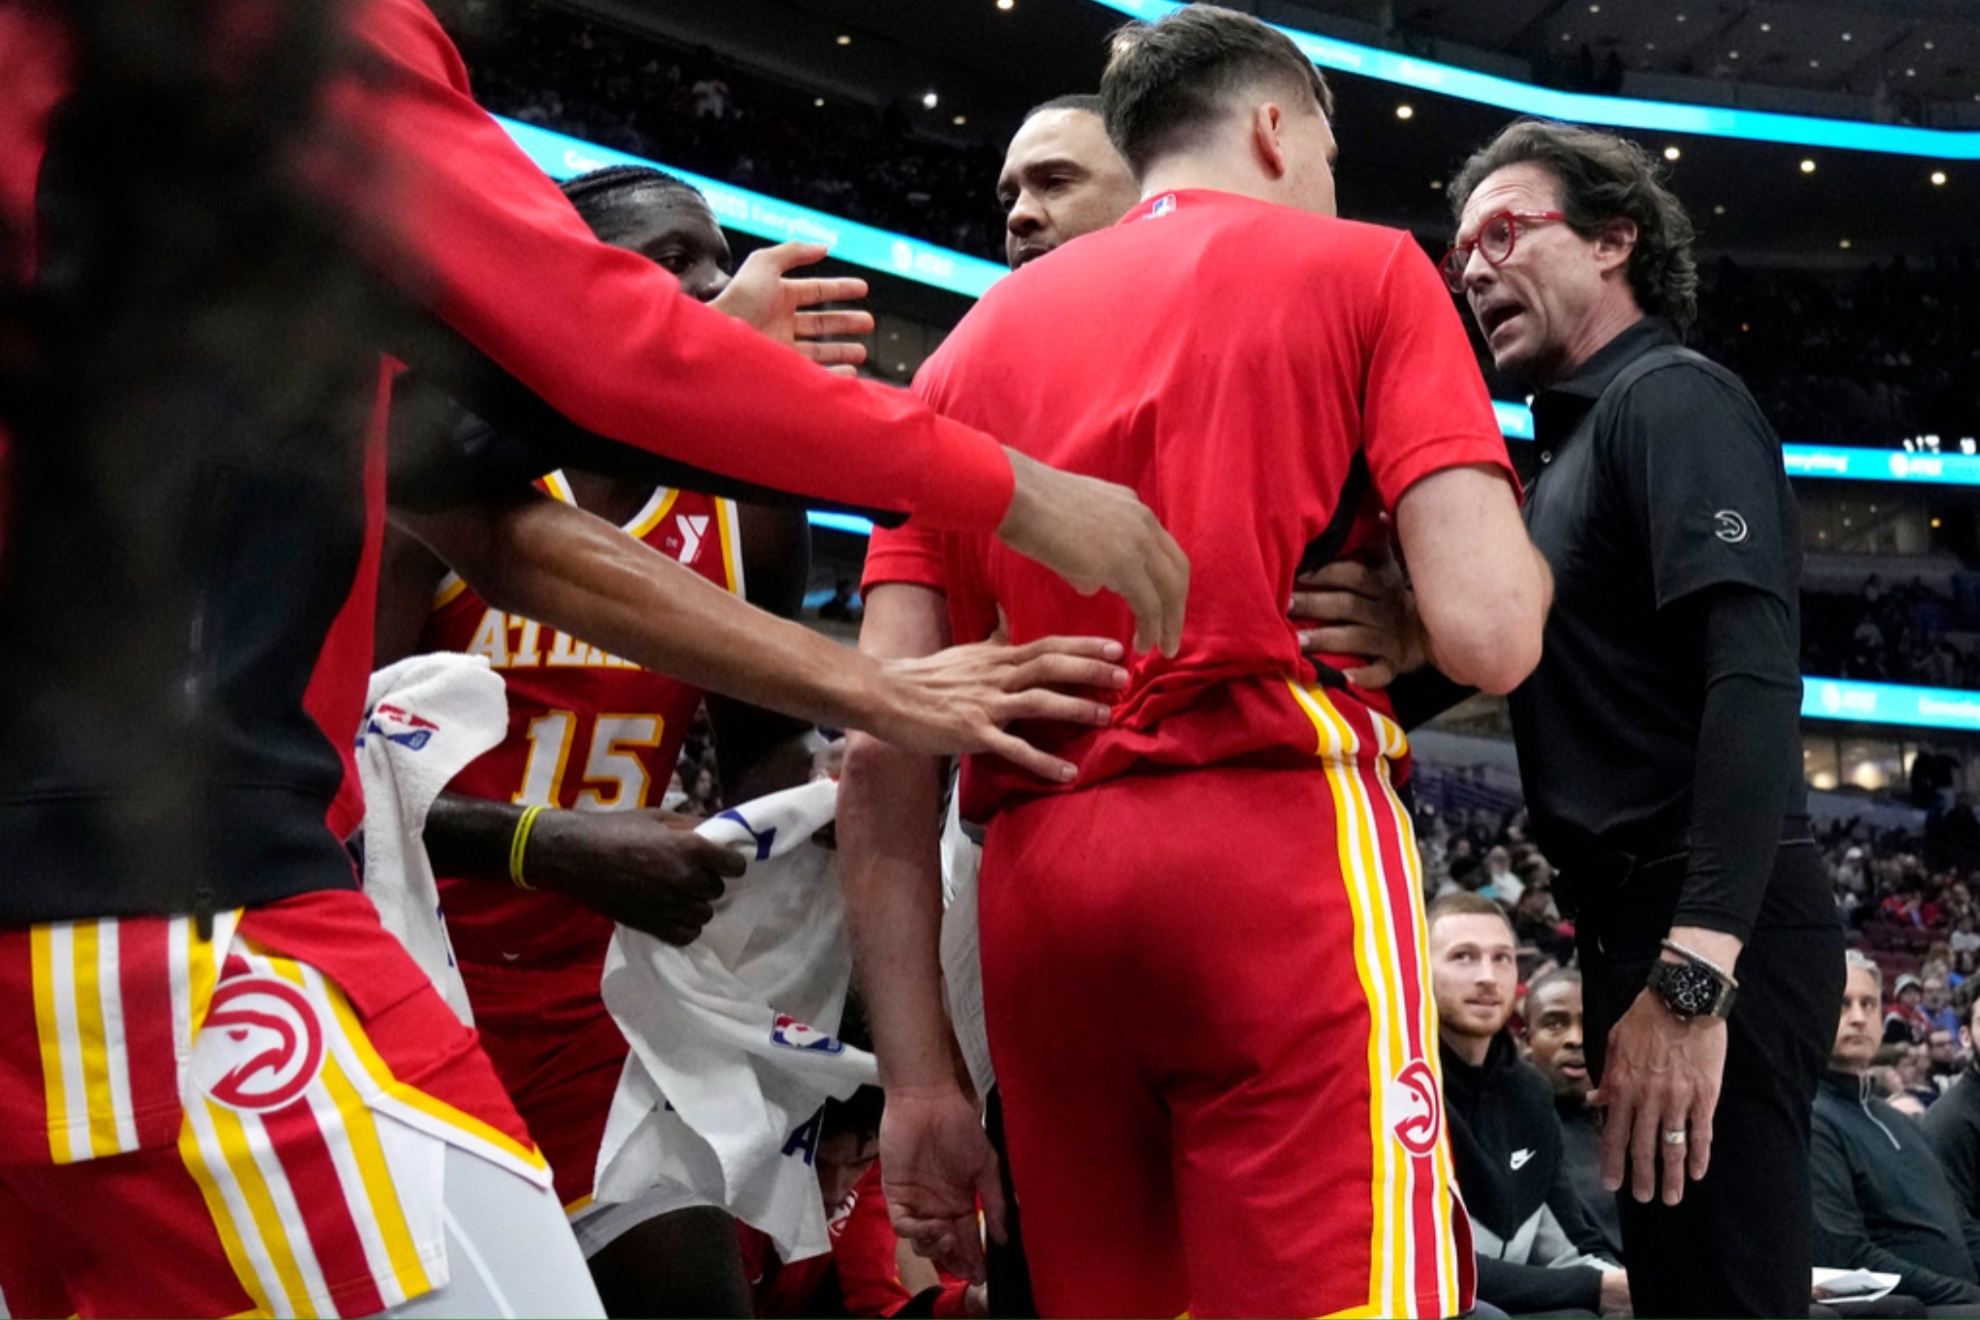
x=1199 y=1117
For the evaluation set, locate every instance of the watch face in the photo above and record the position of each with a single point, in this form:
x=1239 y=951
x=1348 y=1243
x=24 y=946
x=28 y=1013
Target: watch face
x=1688 y=990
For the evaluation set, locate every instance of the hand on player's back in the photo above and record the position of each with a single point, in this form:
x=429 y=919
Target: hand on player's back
x=1100 y=537
x=1362 y=609
x=959 y=699
x=646 y=869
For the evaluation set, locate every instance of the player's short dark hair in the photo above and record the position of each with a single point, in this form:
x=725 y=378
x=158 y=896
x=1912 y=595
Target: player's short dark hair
x=1604 y=177
x=600 y=195
x=860 y=1114
x=1465 y=905
x=1167 y=82
x=1084 y=102
x=1558 y=976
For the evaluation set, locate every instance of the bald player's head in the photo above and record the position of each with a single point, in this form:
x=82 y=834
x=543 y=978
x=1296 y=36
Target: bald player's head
x=1062 y=178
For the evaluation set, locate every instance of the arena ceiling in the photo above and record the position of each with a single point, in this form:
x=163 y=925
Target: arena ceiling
x=1754 y=201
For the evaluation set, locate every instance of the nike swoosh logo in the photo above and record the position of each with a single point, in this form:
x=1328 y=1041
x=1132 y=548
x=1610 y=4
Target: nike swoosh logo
x=1519 y=1159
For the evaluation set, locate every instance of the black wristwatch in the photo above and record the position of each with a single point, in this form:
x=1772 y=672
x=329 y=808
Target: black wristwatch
x=1694 y=987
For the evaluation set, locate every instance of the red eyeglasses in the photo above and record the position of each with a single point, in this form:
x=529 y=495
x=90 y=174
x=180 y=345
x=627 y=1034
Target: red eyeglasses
x=1494 y=242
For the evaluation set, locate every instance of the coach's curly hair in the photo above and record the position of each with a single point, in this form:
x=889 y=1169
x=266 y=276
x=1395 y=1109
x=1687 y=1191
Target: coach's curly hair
x=1604 y=177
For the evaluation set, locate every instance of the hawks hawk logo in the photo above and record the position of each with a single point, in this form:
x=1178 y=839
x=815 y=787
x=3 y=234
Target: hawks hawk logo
x=261 y=1046
x=1414 y=1100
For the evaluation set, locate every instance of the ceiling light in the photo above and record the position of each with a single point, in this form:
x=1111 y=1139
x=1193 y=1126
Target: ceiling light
x=1911 y=73
x=1732 y=54
x=1594 y=9
x=928 y=100
x=1671 y=153
x=1004 y=4
x=1814 y=64
x=1766 y=27
x=1928 y=45
x=1807 y=167
x=845 y=40
x=1405 y=111
x=1938 y=178
x=1680 y=18
x=1720 y=209
x=960 y=120
x=1567 y=36
x=1844 y=245
x=1847 y=37
x=1649 y=45
x=819 y=102
x=1436 y=185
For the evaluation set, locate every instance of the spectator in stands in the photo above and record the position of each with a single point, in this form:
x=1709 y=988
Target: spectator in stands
x=1905 y=1023
x=1536 y=1249
x=1554 y=1045
x=1500 y=883
x=1936 y=1002
x=1953 y=1126
x=1882 y=1200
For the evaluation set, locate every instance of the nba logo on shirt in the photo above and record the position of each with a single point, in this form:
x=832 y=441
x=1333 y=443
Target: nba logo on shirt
x=795 y=1035
x=1163 y=205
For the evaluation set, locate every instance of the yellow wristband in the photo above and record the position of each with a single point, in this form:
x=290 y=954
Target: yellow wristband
x=518 y=844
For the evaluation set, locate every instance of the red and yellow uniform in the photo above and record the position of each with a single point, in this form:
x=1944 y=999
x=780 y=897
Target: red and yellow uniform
x=1203 y=961
x=253 y=1124
x=588 y=731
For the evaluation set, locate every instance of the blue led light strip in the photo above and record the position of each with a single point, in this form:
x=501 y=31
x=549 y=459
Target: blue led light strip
x=1890 y=703
x=1614 y=111
x=752 y=213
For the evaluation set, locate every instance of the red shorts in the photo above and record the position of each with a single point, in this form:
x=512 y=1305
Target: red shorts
x=251 y=1124
x=1209 y=1011
x=559 y=1052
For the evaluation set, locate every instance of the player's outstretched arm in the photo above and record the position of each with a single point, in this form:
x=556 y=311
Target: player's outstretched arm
x=538 y=557
x=936 y=1158
x=1482 y=589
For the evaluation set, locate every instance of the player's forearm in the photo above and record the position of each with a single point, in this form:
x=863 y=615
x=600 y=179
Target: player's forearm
x=468 y=838
x=889 y=837
x=1482 y=589
x=563 y=567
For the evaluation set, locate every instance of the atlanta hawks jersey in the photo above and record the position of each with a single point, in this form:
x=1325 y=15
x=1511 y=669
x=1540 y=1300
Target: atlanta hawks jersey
x=588 y=731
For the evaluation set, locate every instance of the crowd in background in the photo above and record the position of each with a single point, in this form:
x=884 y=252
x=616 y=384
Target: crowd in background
x=1869 y=357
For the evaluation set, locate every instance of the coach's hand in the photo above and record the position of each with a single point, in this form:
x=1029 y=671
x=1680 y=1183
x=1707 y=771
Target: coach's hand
x=764 y=294
x=935 y=1163
x=1662 y=1075
x=646 y=869
x=1365 y=609
x=959 y=699
x=1099 y=536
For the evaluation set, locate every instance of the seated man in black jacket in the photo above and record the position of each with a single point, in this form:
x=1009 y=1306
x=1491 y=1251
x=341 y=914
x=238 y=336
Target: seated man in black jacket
x=1536 y=1249
x=1953 y=1124
x=1882 y=1199
x=1554 y=1045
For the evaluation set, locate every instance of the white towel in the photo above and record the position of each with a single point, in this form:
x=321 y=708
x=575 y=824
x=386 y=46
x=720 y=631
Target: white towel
x=425 y=719
x=733 y=1055
x=961 y=950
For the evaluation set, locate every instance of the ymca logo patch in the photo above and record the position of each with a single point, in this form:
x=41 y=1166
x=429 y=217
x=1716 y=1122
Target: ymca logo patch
x=795 y=1035
x=1418 y=1108
x=261 y=1045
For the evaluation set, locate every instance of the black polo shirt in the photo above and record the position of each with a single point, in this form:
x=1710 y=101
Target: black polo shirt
x=1656 y=478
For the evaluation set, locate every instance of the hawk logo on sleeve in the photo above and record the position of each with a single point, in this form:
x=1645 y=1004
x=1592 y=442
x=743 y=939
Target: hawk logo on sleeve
x=1729 y=526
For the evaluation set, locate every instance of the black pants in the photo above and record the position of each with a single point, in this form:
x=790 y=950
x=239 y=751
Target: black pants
x=1741 y=1241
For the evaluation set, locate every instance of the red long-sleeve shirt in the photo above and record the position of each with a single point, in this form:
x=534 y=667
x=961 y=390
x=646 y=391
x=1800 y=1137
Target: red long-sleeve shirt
x=539 y=326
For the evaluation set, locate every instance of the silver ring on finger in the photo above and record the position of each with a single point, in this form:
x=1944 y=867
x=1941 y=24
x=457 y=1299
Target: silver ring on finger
x=1675 y=1136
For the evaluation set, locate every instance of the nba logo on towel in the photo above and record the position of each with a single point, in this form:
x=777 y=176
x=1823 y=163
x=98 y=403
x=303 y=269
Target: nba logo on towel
x=795 y=1035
